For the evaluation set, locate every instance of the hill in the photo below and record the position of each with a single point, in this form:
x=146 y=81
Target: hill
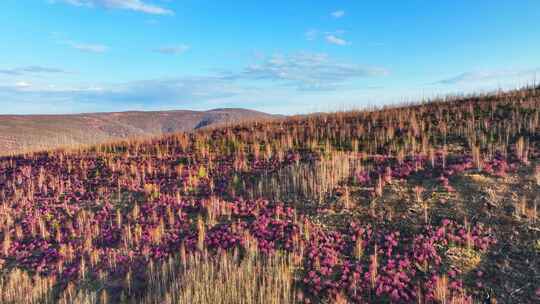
x=429 y=203
x=20 y=133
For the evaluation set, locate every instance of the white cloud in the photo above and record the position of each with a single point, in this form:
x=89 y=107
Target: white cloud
x=336 y=40
x=83 y=47
x=22 y=84
x=181 y=90
x=307 y=71
x=330 y=36
x=278 y=77
x=490 y=75
x=89 y=48
x=311 y=34
x=33 y=69
x=133 y=5
x=338 y=14
x=173 y=50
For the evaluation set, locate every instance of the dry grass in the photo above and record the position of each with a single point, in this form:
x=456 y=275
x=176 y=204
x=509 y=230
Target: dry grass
x=201 y=280
x=254 y=280
x=18 y=287
x=226 y=279
x=537 y=175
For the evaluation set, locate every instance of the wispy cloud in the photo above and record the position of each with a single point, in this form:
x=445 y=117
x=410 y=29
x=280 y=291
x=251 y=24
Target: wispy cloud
x=338 y=14
x=133 y=5
x=489 y=75
x=33 y=69
x=272 y=77
x=311 y=34
x=173 y=93
x=173 y=50
x=81 y=46
x=89 y=48
x=307 y=71
x=172 y=90
x=332 y=39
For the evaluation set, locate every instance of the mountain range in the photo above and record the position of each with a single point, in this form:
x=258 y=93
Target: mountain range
x=24 y=133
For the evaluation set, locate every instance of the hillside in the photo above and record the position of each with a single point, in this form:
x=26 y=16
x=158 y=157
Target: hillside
x=429 y=203
x=20 y=133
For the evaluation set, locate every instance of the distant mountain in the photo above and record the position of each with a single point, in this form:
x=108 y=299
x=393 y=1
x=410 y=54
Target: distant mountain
x=20 y=133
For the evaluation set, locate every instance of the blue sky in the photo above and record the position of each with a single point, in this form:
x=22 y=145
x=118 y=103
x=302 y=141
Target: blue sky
x=288 y=57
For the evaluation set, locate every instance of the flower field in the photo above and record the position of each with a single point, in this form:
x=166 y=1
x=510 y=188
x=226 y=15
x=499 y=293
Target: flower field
x=428 y=203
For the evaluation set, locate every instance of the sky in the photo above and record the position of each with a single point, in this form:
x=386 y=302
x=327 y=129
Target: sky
x=283 y=57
